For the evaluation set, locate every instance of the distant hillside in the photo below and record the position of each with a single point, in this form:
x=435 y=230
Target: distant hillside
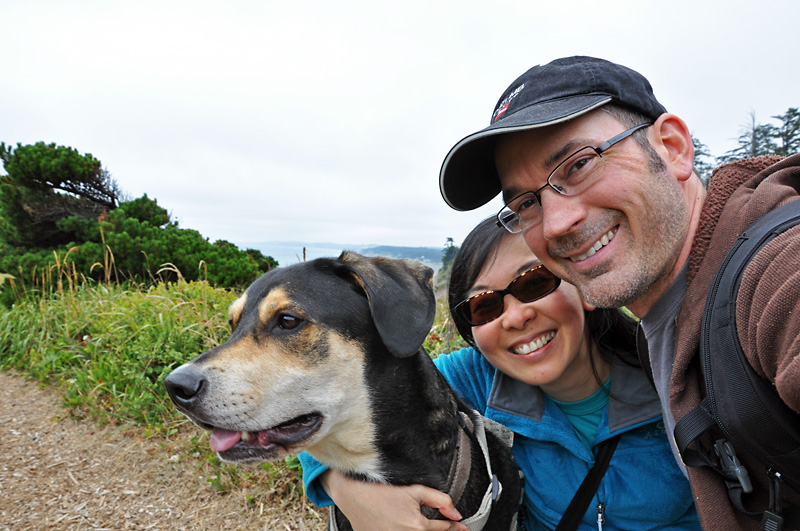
x=287 y=253
x=423 y=254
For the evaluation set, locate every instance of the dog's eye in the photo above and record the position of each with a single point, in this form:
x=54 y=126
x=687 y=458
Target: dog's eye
x=288 y=322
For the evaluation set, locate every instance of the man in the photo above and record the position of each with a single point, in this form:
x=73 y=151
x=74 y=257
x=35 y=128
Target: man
x=598 y=177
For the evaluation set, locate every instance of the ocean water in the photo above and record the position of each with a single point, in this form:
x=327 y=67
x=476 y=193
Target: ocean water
x=288 y=253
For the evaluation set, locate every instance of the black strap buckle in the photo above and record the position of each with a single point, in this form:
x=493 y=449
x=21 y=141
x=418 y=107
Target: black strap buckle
x=771 y=522
x=731 y=466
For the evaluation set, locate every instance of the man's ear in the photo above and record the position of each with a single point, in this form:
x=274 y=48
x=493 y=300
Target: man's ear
x=672 y=140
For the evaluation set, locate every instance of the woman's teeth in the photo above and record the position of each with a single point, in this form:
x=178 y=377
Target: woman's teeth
x=535 y=345
x=602 y=242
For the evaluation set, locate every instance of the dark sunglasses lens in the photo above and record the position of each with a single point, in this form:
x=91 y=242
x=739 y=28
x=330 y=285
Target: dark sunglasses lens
x=528 y=287
x=534 y=285
x=483 y=308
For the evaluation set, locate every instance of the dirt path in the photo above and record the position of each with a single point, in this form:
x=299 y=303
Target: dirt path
x=58 y=473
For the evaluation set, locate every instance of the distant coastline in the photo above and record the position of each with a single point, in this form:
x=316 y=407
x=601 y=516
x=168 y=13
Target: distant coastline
x=288 y=253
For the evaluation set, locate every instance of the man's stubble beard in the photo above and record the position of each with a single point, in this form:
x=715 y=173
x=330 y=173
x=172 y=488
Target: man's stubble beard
x=652 y=256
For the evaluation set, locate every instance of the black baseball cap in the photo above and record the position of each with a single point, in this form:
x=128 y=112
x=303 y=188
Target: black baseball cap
x=542 y=96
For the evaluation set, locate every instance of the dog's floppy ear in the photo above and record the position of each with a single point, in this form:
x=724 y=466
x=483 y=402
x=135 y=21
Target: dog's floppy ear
x=401 y=299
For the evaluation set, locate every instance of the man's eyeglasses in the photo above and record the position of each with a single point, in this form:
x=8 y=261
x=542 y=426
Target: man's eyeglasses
x=531 y=285
x=572 y=176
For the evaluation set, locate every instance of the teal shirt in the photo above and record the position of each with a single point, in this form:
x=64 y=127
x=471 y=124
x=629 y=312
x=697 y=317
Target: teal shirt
x=585 y=415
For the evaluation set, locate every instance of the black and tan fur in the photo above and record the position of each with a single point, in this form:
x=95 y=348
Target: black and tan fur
x=326 y=356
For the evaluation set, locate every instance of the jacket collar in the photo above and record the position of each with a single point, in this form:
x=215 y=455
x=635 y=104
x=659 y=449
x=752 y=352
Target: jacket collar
x=632 y=400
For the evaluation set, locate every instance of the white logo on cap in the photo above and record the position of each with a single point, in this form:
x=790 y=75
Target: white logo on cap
x=503 y=107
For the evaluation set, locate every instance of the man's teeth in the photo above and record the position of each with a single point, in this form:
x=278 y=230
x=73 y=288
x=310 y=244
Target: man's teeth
x=599 y=244
x=535 y=345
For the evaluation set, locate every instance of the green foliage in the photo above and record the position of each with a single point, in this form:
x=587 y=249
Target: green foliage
x=757 y=139
x=46 y=183
x=135 y=242
x=57 y=203
x=146 y=210
x=703 y=162
x=264 y=263
x=442 y=280
x=787 y=133
x=444 y=336
x=449 y=252
x=111 y=346
x=43 y=167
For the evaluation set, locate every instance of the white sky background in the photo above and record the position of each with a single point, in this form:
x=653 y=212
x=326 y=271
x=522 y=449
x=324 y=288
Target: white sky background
x=328 y=121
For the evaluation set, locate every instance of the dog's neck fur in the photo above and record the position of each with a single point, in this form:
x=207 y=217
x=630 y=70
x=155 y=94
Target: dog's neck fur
x=418 y=441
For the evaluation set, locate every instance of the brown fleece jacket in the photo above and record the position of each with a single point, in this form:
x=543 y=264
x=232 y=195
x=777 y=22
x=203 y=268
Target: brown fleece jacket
x=767 y=312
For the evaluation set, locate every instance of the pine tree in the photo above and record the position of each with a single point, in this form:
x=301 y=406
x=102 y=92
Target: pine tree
x=756 y=139
x=703 y=161
x=787 y=134
x=45 y=184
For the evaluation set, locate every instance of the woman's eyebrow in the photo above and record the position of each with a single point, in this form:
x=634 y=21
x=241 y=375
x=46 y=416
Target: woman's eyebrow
x=479 y=288
x=528 y=266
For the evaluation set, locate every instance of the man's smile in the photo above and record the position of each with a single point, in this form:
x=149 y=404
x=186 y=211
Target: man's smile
x=599 y=244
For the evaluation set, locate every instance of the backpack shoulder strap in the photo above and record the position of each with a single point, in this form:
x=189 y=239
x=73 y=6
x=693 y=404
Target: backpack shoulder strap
x=747 y=408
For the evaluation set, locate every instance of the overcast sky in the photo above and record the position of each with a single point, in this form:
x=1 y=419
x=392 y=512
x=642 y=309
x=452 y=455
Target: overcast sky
x=328 y=121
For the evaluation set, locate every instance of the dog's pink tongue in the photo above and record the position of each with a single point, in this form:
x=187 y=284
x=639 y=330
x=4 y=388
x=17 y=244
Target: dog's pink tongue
x=222 y=440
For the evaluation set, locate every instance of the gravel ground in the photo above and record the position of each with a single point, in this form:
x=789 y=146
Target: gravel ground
x=59 y=473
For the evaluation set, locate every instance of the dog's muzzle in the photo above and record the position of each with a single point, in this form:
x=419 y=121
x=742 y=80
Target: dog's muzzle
x=185 y=386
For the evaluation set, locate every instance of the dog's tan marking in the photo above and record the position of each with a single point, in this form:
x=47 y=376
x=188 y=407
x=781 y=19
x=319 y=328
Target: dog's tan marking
x=235 y=310
x=275 y=301
x=349 y=444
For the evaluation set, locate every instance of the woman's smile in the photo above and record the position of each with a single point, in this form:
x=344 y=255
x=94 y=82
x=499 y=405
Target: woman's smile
x=535 y=345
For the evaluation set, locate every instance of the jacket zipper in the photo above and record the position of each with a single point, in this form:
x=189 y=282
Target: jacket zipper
x=601 y=516
x=705 y=351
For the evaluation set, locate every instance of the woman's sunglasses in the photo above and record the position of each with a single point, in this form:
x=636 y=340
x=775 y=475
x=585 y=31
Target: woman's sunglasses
x=531 y=285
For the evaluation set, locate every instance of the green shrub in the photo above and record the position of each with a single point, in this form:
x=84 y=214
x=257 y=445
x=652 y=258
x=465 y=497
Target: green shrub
x=134 y=242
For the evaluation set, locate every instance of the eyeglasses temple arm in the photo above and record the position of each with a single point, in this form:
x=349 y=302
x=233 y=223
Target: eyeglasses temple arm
x=620 y=137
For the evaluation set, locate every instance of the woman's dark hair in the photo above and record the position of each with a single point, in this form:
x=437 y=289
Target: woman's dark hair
x=612 y=331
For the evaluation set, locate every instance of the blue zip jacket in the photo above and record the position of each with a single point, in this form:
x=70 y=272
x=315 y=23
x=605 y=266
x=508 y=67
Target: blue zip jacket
x=643 y=487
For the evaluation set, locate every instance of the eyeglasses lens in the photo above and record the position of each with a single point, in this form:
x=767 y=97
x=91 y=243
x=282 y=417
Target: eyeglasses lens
x=578 y=172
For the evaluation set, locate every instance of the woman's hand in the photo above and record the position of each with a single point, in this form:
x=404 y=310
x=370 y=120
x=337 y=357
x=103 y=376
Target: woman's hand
x=375 y=506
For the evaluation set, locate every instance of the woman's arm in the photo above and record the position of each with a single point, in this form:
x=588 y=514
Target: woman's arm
x=374 y=506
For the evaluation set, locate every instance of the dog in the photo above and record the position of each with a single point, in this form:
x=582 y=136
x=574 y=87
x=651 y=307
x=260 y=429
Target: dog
x=326 y=356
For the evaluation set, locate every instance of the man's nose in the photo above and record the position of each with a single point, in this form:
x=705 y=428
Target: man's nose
x=561 y=214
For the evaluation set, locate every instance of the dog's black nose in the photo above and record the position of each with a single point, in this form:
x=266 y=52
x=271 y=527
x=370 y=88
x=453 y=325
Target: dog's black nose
x=184 y=385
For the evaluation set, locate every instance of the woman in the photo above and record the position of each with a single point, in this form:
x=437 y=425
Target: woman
x=562 y=376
